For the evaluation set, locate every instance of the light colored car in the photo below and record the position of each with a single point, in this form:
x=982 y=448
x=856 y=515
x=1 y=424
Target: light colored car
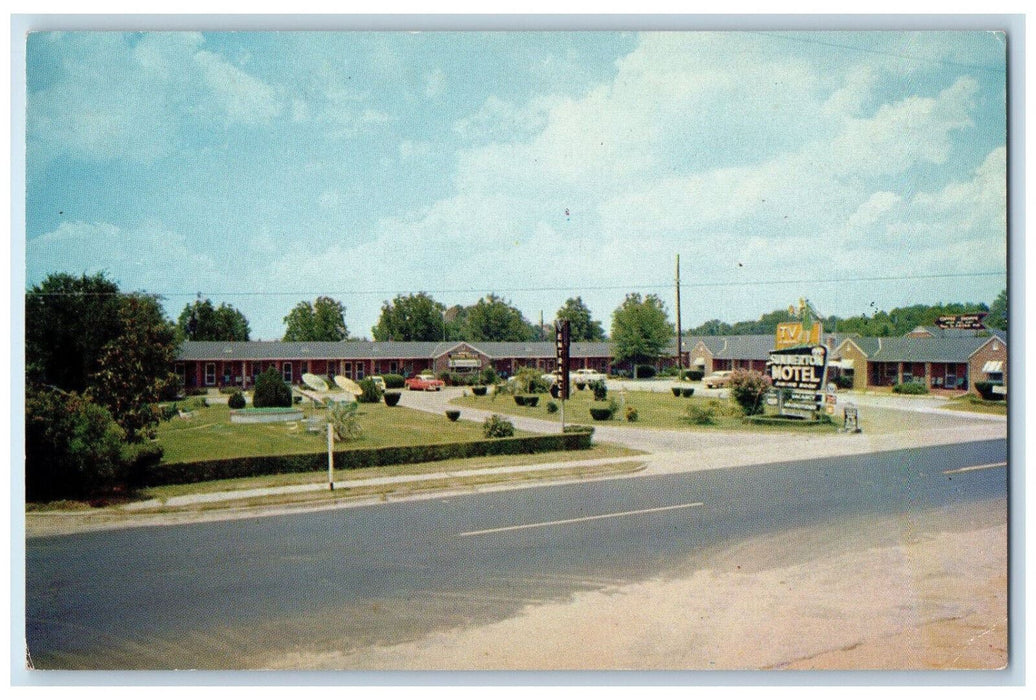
x=585 y=376
x=717 y=379
x=378 y=382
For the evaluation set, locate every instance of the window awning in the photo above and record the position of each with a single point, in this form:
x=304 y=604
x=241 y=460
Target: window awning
x=993 y=366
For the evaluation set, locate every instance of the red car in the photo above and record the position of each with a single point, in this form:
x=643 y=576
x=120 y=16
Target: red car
x=424 y=382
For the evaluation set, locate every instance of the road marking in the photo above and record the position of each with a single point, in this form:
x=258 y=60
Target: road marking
x=976 y=468
x=578 y=520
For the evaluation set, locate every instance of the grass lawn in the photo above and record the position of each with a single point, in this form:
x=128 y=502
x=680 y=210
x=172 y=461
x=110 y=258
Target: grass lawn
x=977 y=405
x=654 y=410
x=211 y=435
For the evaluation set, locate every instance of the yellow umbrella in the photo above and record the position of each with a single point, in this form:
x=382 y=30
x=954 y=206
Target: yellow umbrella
x=314 y=382
x=349 y=385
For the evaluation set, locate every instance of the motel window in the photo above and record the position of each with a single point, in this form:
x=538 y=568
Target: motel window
x=394 y=368
x=181 y=373
x=210 y=374
x=359 y=370
x=286 y=372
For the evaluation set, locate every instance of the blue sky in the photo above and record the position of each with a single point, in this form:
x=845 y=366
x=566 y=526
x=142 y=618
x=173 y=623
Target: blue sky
x=861 y=170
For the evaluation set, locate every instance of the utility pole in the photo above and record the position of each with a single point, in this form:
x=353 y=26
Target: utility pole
x=679 y=328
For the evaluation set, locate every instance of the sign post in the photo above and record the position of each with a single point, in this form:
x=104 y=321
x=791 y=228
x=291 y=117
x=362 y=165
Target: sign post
x=562 y=331
x=330 y=456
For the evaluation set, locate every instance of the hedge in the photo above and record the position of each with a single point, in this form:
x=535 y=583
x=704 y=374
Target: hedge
x=238 y=467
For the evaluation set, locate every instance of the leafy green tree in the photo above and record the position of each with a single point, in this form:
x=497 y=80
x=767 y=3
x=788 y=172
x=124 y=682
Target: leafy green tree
x=68 y=320
x=641 y=330
x=998 y=312
x=202 y=321
x=321 y=320
x=413 y=317
x=135 y=366
x=271 y=391
x=494 y=319
x=582 y=326
x=72 y=446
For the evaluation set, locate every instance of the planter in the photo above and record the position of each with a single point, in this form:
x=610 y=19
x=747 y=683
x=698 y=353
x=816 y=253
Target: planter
x=453 y=415
x=391 y=398
x=265 y=415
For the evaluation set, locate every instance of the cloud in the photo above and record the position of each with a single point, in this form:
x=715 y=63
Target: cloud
x=136 y=97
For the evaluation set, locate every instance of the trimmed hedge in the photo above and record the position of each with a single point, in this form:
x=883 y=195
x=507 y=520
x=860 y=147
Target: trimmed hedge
x=604 y=413
x=453 y=415
x=479 y=390
x=687 y=392
x=391 y=398
x=909 y=388
x=985 y=390
x=238 y=467
x=394 y=381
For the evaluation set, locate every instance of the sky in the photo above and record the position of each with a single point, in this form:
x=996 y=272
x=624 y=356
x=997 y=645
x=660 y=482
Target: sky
x=860 y=170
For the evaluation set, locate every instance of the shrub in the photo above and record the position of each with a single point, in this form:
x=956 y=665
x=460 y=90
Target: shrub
x=695 y=375
x=646 y=371
x=600 y=390
x=844 y=381
x=701 y=413
x=497 y=427
x=687 y=392
x=488 y=376
x=552 y=407
x=579 y=429
x=73 y=447
x=271 y=391
x=747 y=388
x=910 y=388
x=676 y=391
x=631 y=414
x=136 y=460
x=603 y=412
x=391 y=398
x=344 y=420
x=531 y=400
x=394 y=381
x=529 y=380
x=985 y=390
x=371 y=392
x=236 y=400
x=519 y=399
x=479 y=390
x=453 y=414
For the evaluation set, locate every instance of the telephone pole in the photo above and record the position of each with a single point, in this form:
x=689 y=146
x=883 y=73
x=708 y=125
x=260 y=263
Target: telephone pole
x=679 y=328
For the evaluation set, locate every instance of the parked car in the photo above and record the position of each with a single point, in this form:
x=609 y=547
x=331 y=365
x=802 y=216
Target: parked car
x=424 y=382
x=586 y=376
x=717 y=379
x=379 y=382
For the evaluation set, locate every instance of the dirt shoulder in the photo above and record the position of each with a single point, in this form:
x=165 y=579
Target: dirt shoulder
x=929 y=597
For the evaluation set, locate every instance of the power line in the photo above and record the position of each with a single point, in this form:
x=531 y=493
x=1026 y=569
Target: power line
x=568 y=288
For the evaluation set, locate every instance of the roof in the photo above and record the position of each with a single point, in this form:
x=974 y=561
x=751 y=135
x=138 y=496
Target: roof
x=368 y=349
x=906 y=349
x=937 y=332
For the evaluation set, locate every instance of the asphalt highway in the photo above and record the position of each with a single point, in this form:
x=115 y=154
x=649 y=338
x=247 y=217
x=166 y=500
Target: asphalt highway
x=225 y=595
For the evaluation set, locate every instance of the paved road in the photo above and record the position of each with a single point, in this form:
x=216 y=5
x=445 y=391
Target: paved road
x=228 y=594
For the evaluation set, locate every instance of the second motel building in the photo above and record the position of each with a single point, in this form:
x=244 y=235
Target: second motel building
x=942 y=360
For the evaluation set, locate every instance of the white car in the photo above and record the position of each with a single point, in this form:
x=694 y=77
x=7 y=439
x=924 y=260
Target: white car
x=717 y=379
x=586 y=376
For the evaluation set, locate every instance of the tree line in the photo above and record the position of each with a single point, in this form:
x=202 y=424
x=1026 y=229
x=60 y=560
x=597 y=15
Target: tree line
x=897 y=322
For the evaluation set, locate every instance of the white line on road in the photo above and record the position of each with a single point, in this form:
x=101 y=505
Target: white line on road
x=976 y=468
x=578 y=520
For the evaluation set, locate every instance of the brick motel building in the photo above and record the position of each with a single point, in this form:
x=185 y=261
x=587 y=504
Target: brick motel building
x=944 y=361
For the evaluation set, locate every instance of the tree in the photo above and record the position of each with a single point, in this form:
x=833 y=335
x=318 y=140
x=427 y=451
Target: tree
x=322 y=320
x=270 y=390
x=494 y=319
x=641 y=330
x=72 y=445
x=582 y=327
x=135 y=366
x=998 y=312
x=202 y=321
x=68 y=320
x=411 y=317
x=747 y=389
